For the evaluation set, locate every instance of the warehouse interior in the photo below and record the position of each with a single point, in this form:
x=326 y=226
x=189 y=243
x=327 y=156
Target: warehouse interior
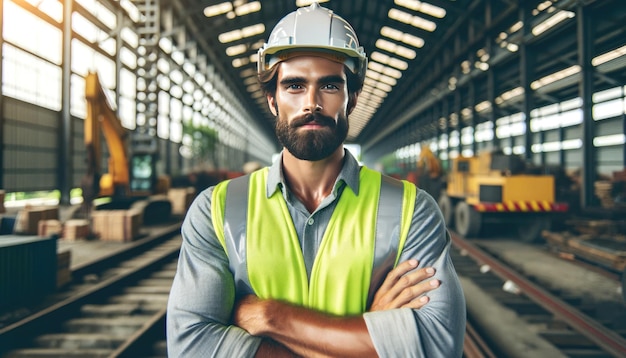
x=143 y=97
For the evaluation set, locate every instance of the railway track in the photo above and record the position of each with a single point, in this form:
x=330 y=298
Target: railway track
x=117 y=310
x=533 y=319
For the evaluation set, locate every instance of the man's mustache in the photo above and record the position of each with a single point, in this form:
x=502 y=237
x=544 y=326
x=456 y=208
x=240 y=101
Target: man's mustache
x=313 y=117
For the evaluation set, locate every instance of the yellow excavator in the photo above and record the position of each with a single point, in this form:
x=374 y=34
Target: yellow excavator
x=494 y=187
x=123 y=172
x=101 y=119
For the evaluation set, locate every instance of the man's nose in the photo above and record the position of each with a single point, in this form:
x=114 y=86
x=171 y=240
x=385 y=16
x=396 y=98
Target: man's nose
x=313 y=102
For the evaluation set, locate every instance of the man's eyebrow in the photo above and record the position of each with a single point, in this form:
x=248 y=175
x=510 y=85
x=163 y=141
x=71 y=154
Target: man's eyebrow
x=332 y=79
x=324 y=79
x=292 y=80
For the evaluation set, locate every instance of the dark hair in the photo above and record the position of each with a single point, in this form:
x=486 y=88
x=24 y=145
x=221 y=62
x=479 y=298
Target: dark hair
x=267 y=81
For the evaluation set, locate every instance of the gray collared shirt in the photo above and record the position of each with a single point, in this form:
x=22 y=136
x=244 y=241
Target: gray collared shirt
x=203 y=292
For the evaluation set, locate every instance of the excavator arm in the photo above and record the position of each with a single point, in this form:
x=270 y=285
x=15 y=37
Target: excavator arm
x=102 y=119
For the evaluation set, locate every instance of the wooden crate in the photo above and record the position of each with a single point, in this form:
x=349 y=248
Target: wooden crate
x=2 y=208
x=76 y=229
x=181 y=199
x=603 y=251
x=27 y=220
x=116 y=225
x=49 y=227
x=607 y=251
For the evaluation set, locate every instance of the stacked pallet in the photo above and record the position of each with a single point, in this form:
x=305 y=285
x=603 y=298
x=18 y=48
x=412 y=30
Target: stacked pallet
x=602 y=189
x=76 y=230
x=116 y=225
x=27 y=220
x=602 y=242
x=612 y=192
x=49 y=227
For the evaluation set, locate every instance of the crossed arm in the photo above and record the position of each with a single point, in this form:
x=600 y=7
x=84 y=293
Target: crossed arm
x=291 y=330
x=204 y=318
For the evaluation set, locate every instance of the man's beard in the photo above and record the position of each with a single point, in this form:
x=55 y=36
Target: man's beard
x=313 y=144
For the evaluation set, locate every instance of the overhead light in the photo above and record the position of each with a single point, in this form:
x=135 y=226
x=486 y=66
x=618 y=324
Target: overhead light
x=371 y=78
x=247 y=8
x=166 y=45
x=482 y=106
x=239 y=34
x=544 y=5
x=517 y=91
x=423 y=7
x=383 y=86
x=512 y=47
x=236 y=50
x=484 y=66
x=239 y=62
x=396 y=49
x=248 y=73
x=609 y=140
x=572 y=70
x=409 y=19
x=379 y=92
x=403 y=37
x=387 y=60
x=218 y=9
x=388 y=80
x=253 y=88
x=516 y=26
x=552 y=21
x=257 y=45
x=466 y=67
x=608 y=56
x=572 y=144
x=250 y=80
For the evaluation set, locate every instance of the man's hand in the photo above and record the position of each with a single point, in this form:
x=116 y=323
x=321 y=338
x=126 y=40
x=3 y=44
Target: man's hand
x=309 y=333
x=305 y=332
x=405 y=289
x=249 y=314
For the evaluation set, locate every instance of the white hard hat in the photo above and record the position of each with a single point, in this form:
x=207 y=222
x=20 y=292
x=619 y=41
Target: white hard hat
x=314 y=29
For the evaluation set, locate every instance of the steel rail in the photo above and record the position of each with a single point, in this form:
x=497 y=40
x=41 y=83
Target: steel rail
x=606 y=339
x=16 y=333
x=473 y=344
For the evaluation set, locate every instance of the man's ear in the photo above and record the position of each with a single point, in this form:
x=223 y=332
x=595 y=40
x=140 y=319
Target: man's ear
x=271 y=102
x=352 y=102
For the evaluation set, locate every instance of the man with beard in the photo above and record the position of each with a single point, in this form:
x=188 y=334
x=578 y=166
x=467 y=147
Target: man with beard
x=314 y=256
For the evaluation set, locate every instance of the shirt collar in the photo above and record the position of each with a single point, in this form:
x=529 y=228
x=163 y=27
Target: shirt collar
x=349 y=174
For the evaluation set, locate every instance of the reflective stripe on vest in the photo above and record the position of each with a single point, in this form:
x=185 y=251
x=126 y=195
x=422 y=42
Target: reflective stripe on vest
x=352 y=261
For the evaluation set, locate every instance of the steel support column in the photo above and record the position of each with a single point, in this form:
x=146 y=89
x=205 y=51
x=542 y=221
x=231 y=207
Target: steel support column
x=1 y=100
x=526 y=74
x=472 y=122
x=144 y=142
x=66 y=147
x=585 y=36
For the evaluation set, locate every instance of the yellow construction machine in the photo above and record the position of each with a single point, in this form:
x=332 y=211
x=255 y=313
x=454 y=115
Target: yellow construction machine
x=101 y=119
x=494 y=187
x=131 y=175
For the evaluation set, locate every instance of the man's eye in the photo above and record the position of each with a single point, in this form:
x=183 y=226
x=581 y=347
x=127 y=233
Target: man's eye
x=294 y=87
x=330 y=87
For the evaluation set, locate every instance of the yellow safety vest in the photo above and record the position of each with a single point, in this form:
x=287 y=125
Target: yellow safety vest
x=363 y=239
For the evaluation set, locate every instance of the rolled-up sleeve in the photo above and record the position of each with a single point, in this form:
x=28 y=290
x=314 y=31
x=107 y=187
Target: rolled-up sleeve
x=203 y=293
x=438 y=328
